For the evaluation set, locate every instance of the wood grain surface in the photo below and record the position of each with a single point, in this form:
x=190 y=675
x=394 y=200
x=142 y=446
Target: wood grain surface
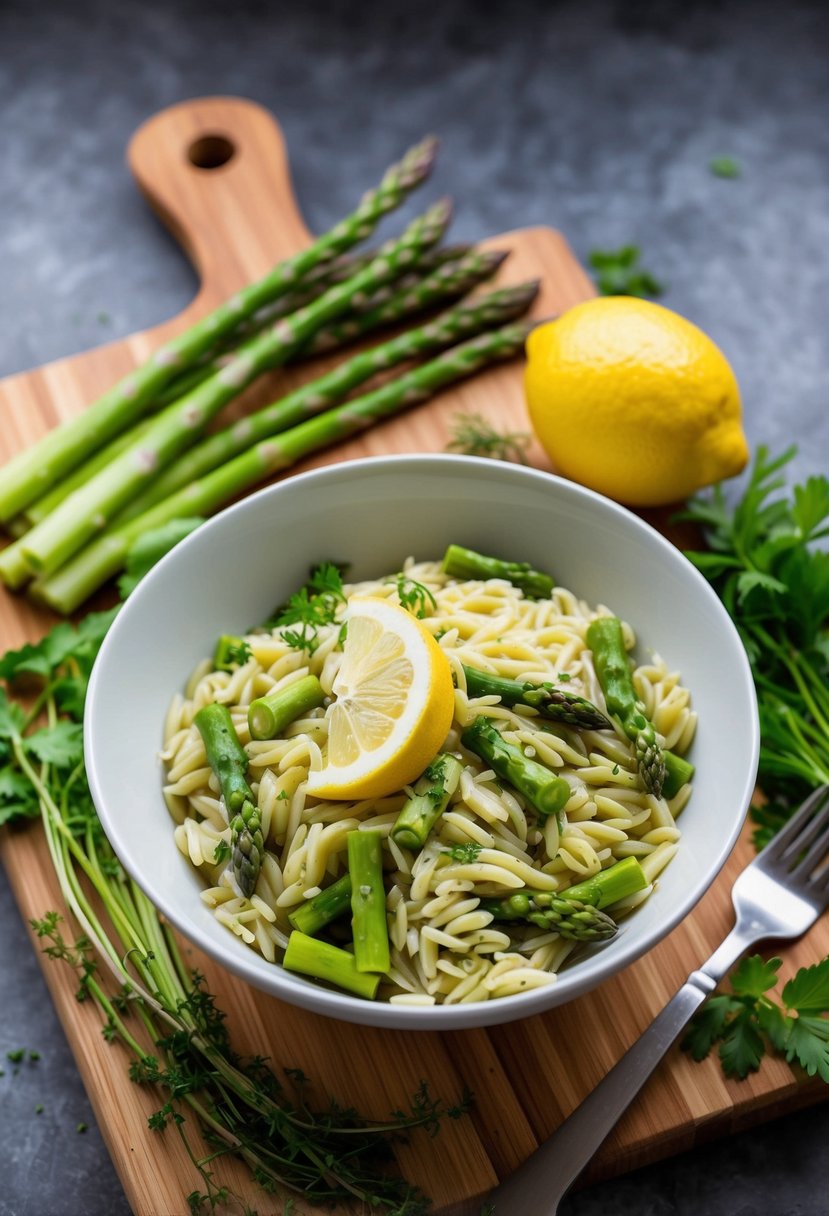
x=235 y=220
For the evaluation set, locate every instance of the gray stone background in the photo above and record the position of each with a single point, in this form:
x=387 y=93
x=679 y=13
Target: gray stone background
x=597 y=118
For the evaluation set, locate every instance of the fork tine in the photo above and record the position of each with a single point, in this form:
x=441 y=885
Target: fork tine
x=780 y=843
x=820 y=817
x=815 y=855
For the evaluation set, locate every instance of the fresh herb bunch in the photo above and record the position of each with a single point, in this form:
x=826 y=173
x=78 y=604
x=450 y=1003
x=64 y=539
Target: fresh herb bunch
x=746 y=1020
x=767 y=566
x=618 y=273
x=128 y=964
x=474 y=435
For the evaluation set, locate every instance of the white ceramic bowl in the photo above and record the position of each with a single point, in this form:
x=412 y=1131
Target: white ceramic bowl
x=234 y=570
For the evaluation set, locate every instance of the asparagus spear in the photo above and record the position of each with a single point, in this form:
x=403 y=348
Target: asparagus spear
x=71 y=585
x=229 y=762
x=368 y=901
x=312 y=916
x=605 y=639
x=567 y=917
x=90 y=508
x=322 y=961
x=465 y=563
x=268 y=716
x=26 y=476
x=230 y=651
x=402 y=299
x=432 y=792
x=544 y=791
x=492 y=309
x=450 y=277
x=549 y=701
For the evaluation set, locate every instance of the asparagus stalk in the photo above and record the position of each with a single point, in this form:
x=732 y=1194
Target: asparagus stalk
x=268 y=716
x=70 y=586
x=449 y=277
x=33 y=471
x=605 y=639
x=432 y=792
x=550 y=702
x=544 y=791
x=322 y=961
x=90 y=508
x=368 y=901
x=310 y=399
x=617 y=882
x=465 y=563
x=402 y=299
x=554 y=913
x=314 y=915
x=231 y=650
x=229 y=762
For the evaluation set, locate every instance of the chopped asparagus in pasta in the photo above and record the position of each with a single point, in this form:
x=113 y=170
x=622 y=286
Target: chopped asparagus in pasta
x=536 y=798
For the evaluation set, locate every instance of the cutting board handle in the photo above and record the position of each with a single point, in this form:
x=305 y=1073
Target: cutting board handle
x=216 y=171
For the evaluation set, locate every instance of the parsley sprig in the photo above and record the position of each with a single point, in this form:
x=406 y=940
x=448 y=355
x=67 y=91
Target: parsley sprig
x=313 y=606
x=747 y=1020
x=766 y=561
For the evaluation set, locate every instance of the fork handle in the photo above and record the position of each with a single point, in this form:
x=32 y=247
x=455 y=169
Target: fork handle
x=555 y=1165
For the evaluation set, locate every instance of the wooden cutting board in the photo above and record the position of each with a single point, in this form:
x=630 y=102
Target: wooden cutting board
x=215 y=170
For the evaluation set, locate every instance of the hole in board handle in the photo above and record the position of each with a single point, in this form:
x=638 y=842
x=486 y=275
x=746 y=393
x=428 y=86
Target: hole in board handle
x=211 y=152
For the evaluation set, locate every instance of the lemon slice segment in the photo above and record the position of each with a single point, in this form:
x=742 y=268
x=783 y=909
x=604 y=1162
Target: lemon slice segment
x=393 y=704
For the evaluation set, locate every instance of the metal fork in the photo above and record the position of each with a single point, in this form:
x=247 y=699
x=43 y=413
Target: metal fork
x=779 y=895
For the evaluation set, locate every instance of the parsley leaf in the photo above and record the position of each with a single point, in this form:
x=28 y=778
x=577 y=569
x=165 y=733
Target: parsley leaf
x=314 y=605
x=151 y=547
x=744 y=1022
x=725 y=166
x=464 y=853
x=618 y=273
x=61 y=744
x=413 y=596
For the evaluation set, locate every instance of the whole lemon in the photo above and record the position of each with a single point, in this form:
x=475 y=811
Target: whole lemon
x=634 y=401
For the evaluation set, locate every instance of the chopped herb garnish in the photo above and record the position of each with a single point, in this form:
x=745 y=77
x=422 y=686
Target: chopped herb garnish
x=39 y=1108
x=618 y=273
x=413 y=596
x=15 y=1057
x=81 y=1128
x=464 y=853
x=222 y=851
x=314 y=605
x=473 y=435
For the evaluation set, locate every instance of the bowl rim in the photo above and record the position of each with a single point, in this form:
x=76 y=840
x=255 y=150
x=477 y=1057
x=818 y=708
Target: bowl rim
x=342 y=1006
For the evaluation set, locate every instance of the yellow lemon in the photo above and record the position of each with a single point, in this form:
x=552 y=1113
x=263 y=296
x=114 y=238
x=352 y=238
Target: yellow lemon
x=634 y=401
x=393 y=706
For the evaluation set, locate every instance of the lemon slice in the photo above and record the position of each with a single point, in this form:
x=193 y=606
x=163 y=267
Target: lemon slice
x=393 y=704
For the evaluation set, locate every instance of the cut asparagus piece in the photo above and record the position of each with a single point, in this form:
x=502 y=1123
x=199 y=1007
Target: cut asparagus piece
x=432 y=792
x=554 y=913
x=229 y=761
x=231 y=651
x=70 y=586
x=465 y=563
x=546 y=793
x=90 y=508
x=607 y=887
x=268 y=716
x=605 y=639
x=368 y=901
x=549 y=700
x=678 y=771
x=322 y=961
x=26 y=476
x=318 y=912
